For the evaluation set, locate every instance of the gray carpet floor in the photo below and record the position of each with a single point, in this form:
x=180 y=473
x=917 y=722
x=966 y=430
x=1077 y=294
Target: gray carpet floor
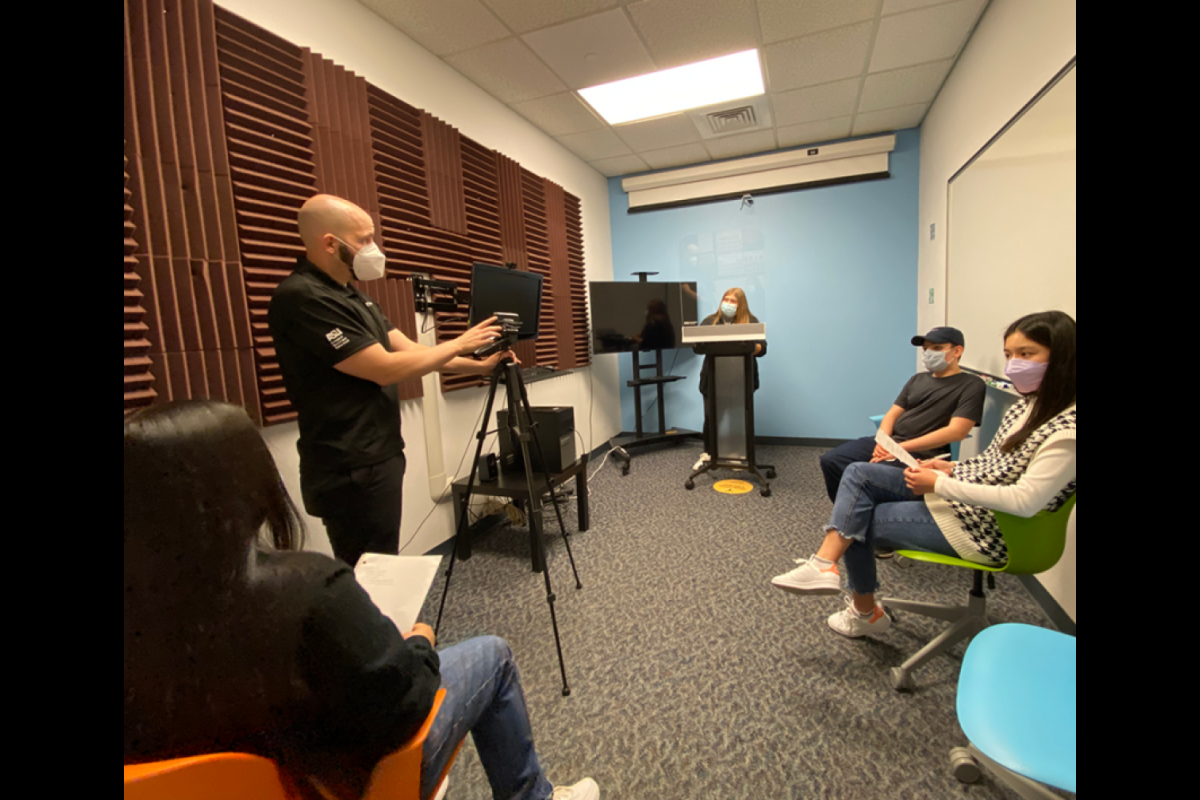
x=694 y=679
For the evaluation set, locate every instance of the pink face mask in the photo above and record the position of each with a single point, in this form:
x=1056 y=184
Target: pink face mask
x=1027 y=376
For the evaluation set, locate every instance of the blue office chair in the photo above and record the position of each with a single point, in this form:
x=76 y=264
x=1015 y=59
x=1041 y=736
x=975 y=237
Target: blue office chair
x=1017 y=704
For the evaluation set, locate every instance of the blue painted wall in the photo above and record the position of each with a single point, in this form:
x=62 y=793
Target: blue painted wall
x=831 y=271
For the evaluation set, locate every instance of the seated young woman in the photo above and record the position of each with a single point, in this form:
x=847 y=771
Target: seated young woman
x=236 y=644
x=949 y=509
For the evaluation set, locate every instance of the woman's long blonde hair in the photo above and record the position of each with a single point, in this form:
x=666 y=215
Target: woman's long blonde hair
x=743 y=313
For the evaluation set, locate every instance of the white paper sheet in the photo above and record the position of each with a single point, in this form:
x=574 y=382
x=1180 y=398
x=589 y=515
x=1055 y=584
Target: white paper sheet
x=889 y=444
x=398 y=585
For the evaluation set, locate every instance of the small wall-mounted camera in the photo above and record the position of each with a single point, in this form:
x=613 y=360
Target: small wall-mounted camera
x=747 y=201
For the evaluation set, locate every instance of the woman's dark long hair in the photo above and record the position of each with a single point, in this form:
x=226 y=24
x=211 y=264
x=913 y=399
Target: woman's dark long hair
x=201 y=488
x=1058 y=332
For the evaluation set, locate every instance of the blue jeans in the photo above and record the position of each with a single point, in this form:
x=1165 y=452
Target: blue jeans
x=876 y=509
x=484 y=699
x=835 y=463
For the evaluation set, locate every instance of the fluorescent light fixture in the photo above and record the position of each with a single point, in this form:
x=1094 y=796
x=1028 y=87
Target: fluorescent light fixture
x=694 y=86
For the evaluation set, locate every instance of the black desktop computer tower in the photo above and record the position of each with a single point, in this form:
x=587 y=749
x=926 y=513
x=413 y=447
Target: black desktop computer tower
x=555 y=430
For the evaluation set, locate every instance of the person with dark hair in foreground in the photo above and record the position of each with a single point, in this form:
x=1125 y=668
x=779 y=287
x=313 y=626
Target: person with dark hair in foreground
x=948 y=509
x=236 y=642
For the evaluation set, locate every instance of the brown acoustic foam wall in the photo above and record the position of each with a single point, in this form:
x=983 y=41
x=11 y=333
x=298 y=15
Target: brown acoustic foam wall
x=199 y=330
x=580 y=354
x=272 y=160
x=537 y=248
x=139 y=377
x=560 y=268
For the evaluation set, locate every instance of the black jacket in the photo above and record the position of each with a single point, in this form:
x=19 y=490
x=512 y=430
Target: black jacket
x=706 y=374
x=299 y=666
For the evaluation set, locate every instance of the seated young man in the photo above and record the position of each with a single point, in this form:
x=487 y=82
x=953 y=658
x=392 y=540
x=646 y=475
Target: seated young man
x=935 y=410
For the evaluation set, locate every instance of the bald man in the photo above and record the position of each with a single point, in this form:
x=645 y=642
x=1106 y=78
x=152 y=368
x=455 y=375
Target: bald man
x=342 y=360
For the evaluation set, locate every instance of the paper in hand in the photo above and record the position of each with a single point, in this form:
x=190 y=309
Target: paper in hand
x=398 y=585
x=902 y=455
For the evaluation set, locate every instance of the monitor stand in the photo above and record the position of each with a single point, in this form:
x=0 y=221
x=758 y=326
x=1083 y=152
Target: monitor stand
x=622 y=444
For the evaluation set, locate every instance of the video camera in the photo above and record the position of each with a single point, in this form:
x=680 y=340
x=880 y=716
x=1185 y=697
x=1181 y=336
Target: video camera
x=511 y=330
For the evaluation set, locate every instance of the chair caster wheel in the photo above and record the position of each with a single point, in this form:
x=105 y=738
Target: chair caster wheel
x=625 y=473
x=903 y=681
x=566 y=692
x=690 y=486
x=766 y=492
x=966 y=768
x=771 y=475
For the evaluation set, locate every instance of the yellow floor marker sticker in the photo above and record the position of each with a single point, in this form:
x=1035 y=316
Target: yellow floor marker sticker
x=734 y=487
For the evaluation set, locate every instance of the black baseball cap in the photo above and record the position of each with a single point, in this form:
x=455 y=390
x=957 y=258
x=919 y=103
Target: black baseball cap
x=941 y=336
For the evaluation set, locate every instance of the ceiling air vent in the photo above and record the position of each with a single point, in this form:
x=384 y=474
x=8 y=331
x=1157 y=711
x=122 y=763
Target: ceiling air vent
x=732 y=118
x=737 y=119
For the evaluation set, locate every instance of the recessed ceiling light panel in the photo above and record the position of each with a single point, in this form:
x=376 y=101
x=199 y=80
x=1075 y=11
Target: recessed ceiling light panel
x=660 y=93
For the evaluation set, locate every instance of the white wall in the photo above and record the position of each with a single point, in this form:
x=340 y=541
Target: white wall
x=349 y=34
x=1019 y=47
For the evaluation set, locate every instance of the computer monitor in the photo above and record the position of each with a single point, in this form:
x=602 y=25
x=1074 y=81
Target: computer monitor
x=502 y=290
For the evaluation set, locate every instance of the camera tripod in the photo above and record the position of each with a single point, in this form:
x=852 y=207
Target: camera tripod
x=520 y=423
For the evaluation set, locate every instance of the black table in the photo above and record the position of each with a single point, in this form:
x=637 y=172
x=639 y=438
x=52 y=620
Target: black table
x=514 y=485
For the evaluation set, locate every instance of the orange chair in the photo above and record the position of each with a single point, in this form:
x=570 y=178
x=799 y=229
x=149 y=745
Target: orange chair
x=242 y=777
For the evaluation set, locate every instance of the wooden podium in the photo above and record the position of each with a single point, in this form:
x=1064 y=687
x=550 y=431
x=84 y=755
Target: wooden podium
x=729 y=404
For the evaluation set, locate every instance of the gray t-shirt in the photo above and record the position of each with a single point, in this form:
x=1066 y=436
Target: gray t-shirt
x=930 y=403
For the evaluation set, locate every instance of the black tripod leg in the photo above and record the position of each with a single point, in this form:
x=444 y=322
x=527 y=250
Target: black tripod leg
x=518 y=402
x=528 y=409
x=466 y=501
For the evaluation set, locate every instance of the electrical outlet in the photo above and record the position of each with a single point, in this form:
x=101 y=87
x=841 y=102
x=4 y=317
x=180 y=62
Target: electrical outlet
x=932 y=296
x=933 y=232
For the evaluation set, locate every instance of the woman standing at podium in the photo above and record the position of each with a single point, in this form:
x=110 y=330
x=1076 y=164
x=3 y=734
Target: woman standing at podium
x=735 y=310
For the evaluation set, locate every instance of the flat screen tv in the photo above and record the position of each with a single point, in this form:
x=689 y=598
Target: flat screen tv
x=629 y=317
x=502 y=290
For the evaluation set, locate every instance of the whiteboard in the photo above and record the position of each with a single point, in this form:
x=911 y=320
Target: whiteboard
x=1012 y=226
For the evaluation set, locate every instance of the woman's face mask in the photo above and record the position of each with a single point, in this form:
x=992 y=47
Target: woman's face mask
x=1027 y=376
x=730 y=310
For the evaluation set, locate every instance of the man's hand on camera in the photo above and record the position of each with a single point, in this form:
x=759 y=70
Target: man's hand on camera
x=478 y=337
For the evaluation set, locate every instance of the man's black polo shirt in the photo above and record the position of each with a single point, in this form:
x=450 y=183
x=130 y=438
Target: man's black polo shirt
x=345 y=423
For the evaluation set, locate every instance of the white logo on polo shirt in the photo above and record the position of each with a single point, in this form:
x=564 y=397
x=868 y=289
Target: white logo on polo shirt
x=337 y=338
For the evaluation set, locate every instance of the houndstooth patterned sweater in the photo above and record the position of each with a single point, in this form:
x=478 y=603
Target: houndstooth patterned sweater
x=974 y=531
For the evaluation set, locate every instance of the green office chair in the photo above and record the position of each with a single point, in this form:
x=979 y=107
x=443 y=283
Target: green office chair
x=1034 y=546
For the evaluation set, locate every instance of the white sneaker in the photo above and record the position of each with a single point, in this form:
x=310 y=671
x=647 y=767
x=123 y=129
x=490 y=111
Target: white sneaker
x=851 y=625
x=811 y=579
x=587 y=790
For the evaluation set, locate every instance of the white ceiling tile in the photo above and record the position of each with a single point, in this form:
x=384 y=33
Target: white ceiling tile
x=742 y=145
x=814 y=132
x=657 y=134
x=676 y=156
x=682 y=32
x=899 y=6
x=560 y=114
x=931 y=34
x=624 y=165
x=823 y=58
x=593 y=51
x=896 y=119
x=524 y=16
x=508 y=71
x=815 y=104
x=445 y=27
x=904 y=87
x=595 y=145
x=787 y=19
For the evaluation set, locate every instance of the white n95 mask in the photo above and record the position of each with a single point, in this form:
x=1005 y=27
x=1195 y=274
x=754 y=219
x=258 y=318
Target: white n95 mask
x=370 y=264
